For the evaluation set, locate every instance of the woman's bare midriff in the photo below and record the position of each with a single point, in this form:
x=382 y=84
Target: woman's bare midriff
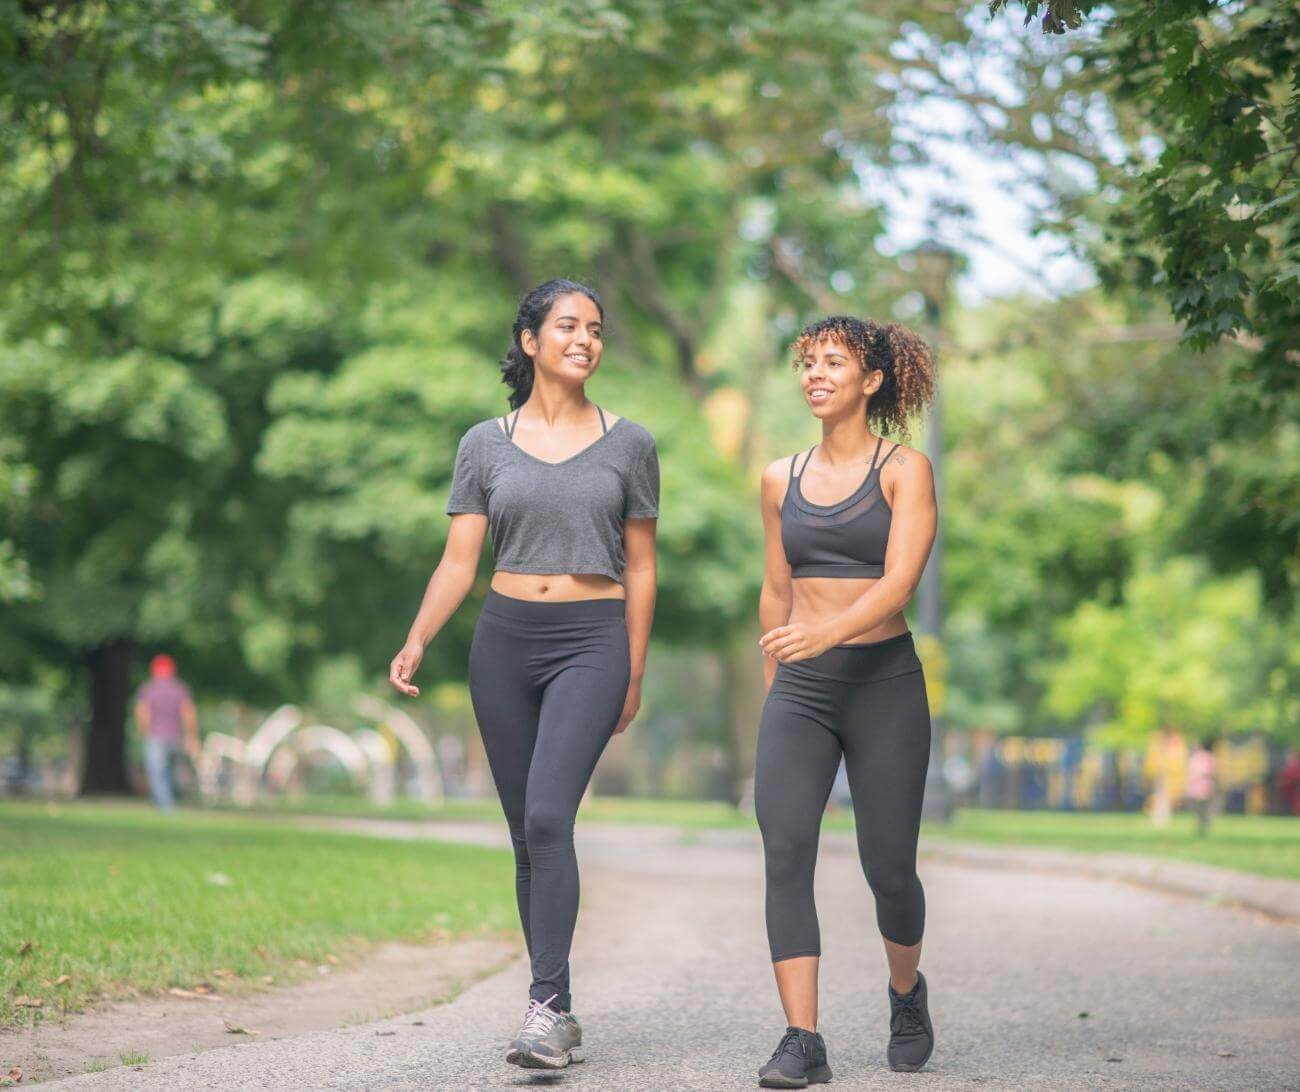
x=818 y=599
x=557 y=588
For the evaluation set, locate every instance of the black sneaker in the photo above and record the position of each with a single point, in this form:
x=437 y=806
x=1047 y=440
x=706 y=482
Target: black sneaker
x=798 y=1061
x=911 y=1035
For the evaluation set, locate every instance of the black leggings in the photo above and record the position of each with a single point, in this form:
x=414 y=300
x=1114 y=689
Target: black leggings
x=548 y=682
x=867 y=703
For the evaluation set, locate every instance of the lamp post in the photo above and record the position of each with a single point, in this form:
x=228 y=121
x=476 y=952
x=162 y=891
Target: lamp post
x=935 y=264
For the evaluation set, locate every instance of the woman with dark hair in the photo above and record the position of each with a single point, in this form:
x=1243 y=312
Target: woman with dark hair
x=844 y=553
x=571 y=494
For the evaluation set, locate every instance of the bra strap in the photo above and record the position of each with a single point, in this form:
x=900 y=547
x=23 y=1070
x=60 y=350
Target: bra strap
x=603 y=429
x=887 y=456
x=510 y=428
x=794 y=459
x=871 y=466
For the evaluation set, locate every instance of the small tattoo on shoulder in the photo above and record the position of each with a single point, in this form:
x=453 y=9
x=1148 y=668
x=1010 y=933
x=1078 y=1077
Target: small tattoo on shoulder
x=900 y=458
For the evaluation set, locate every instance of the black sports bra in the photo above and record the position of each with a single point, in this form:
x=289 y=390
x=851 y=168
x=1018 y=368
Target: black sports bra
x=847 y=539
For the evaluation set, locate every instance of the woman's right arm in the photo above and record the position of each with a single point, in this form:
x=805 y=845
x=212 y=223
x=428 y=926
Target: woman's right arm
x=447 y=588
x=777 y=596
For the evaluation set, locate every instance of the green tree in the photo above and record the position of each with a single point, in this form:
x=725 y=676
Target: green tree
x=1206 y=210
x=159 y=159
x=1179 y=651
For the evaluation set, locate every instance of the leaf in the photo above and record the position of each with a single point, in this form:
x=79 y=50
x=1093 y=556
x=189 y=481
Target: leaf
x=25 y=1002
x=1226 y=1054
x=1083 y=1016
x=193 y=995
x=332 y=959
x=16 y=1074
x=224 y=972
x=235 y=1029
x=25 y=946
x=63 y=980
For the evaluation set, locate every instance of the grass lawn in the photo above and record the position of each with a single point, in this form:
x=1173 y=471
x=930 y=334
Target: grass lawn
x=119 y=898
x=1265 y=845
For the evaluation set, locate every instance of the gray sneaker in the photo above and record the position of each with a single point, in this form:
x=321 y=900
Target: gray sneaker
x=548 y=1039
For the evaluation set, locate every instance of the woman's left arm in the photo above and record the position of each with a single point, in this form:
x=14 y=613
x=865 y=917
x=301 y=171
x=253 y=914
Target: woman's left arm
x=639 y=581
x=911 y=535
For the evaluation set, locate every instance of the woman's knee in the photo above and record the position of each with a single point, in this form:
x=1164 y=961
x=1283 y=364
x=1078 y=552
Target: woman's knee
x=546 y=825
x=789 y=855
x=893 y=883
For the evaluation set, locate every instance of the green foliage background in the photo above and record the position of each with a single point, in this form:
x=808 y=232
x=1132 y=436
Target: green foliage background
x=261 y=259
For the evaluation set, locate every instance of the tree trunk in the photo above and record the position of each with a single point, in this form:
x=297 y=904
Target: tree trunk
x=110 y=667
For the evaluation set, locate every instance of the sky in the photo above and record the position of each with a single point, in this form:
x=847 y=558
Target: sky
x=999 y=189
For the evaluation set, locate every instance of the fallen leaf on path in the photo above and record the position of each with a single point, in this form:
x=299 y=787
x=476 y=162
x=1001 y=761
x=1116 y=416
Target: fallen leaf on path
x=1114 y=1059
x=332 y=959
x=63 y=980
x=417 y=1023
x=202 y=987
x=16 y=1074
x=25 y=1002
x=1226 y=1054
x=268 y=979
x=224 y=972
x=235 y=1029
x=1083 y=1016
x=25 y=946
x=193 y=995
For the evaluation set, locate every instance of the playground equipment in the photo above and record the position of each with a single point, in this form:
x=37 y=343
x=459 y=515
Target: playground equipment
x=267 y=762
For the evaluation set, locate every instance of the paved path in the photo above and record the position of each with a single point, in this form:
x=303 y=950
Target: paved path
x=674 y=989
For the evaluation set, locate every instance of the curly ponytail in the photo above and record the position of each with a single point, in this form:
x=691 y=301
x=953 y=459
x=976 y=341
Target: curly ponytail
x=900 y=353
x=517 y=366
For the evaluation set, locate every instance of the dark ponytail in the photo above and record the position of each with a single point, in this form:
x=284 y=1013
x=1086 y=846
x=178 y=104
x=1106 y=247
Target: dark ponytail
x=517 y=367
x=901 y=353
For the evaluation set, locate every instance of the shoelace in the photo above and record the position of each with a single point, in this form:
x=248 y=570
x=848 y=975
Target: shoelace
x=539 y=1019
x=790 y=1044
x=907 y=1019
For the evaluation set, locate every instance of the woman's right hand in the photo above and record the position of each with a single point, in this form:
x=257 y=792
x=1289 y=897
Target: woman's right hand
x=403 y=667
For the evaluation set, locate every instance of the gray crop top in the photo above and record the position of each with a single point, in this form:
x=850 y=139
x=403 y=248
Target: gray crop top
x=564 y=517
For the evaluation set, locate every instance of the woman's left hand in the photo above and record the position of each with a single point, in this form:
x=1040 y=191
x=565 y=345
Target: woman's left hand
x=631 y=705
x=800 y=641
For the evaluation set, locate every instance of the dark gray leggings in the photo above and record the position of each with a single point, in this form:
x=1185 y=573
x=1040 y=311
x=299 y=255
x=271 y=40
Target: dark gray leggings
x=548 y=682
x=868 y=704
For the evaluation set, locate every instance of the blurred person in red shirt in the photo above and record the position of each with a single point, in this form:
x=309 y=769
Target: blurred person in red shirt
x=168 y=721
x=1288 y=782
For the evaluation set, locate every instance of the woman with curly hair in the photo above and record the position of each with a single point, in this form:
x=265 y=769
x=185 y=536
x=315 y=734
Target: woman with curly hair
x=844 y=554
x=571 y=494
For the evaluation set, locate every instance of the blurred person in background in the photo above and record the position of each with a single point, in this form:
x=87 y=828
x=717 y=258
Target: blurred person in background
x=844 y=555
x=571 y=494
x=167 y=722
x=1200 y=787
x=1164 y=767
x=1288 y=782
